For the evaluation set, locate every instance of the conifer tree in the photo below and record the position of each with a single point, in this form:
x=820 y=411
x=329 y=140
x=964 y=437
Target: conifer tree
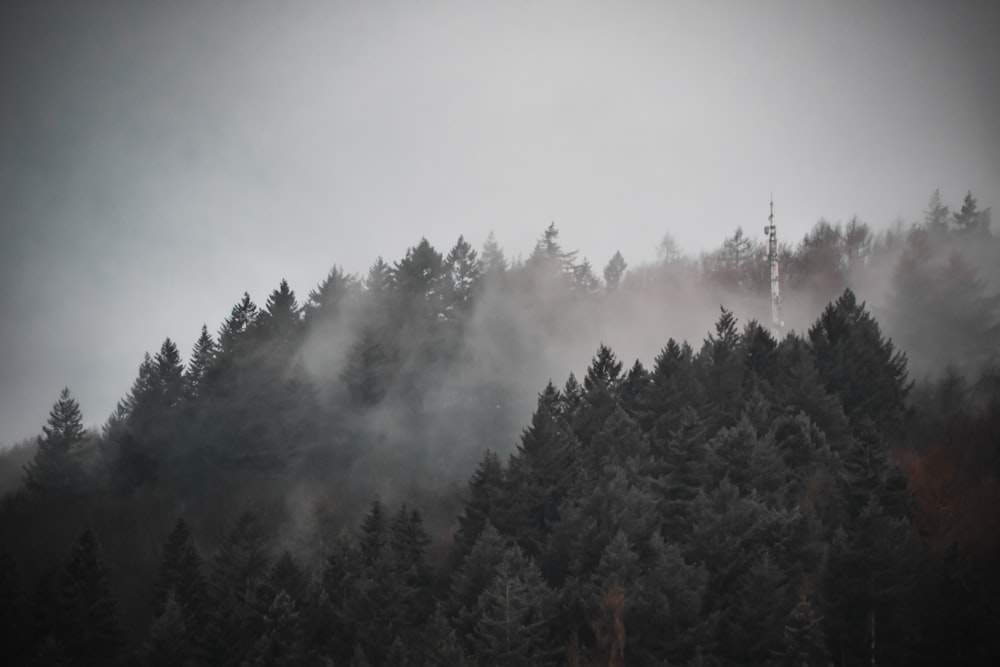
x=237 y=327
x=634 y=390
x=548 y=260
x=369 y=371
x=55 y=468
x=408 y=542
x=970 y=219
x=238 y=571
x=475 y=573
x=462 y=265
x=799 y=389
x=604 y=371
x=937 y=215
x=492 y=259
x=379 y=281
x=515 y=613
x=88 y=619
x=170 y=638
x=280 y=322
x=180 y=577
x=169 y=375
x=482 y=502
x=674 y=386
x=374 y=533
x=333 y=630
x=202 y=360
x=614 y=271
x=537 y=475
x=285 y=574
x=721 y=359
x=859 y=366
x=760 y=354
x=583 y=279
x=328 y=302
x=281 y=642
x=443 y=648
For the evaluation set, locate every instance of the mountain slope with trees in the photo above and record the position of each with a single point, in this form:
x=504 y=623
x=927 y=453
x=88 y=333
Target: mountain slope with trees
x=742 y=500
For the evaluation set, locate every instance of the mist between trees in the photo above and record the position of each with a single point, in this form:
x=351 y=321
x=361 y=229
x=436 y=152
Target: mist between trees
x=744 y=499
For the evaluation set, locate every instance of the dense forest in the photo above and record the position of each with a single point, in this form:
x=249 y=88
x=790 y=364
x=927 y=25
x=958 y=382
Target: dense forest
x=388 y=473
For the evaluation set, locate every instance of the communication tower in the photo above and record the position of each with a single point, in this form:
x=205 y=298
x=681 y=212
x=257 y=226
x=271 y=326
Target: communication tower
x=772 y=259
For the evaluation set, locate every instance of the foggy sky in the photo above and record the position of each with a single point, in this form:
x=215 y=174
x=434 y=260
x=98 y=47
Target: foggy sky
x=158 y=159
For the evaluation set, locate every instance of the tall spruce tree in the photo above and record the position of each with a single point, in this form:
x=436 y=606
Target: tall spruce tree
x=180 y=576
x=56 y=468
x=89 y=627
x=858 y=365
x=515 y=613
x=200 y=365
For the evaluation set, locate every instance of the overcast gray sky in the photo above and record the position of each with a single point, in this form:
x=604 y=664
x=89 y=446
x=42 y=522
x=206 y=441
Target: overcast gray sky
x=159 y=158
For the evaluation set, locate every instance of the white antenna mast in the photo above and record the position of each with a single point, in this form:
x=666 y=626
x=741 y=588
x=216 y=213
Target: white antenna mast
x=772 y=259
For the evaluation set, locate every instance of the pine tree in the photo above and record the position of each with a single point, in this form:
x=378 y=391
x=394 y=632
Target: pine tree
x=285 y=574
x=936 y=216
x=751 y=630
x=329 y=301
x=868 y=585
x=55 y=468
x=668 y=594
x=202 y=361
x=675 y=386
x=492 y=259
x=378 y=282
x=818 y=264
x=169 y=375
x=408 y=542
x=614 y=271
x=799 y=389
x=170 y=638
x=333 y=628
x=281 y=642
x=374 y=533
x=237 y=328
x=369 y=371
x=857 y=241
x=443 y=648
x=281 y=323
x=475 y=573
x=683 y=463
x=548 y=260
x=88 y=627
x=462 y=265
x=859 y=366
x=634 y=390
x=180 y=577
x=537 y=474
x=724 y=373
x=515 y=613
x=760 y=355
x=970 y=219
x=481 y=504
x=238 y=571
x=604 y=371
x=422 y=281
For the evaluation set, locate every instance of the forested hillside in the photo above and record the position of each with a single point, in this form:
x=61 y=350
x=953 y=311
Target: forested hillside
x=389 y=472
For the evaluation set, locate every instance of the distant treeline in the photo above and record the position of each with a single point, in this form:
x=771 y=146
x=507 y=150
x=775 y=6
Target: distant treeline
x=749 y=501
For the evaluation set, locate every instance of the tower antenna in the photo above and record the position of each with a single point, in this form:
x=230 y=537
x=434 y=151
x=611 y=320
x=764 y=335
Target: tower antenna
x=772 y=259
